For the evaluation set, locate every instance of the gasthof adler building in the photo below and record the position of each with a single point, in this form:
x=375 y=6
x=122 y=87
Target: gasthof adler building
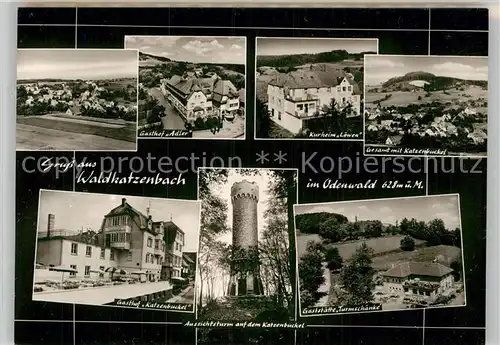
x=245 y=199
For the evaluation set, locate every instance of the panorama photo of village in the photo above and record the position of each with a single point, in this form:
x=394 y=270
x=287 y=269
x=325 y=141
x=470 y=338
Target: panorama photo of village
x=103 y=249
x=417 y=105
x=385 y=254
x=310 y=87
x=191 y=86
x=76 y=99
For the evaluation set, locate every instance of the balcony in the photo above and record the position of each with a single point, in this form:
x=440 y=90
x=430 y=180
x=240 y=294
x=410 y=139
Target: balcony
x=122 y=228
x=158 y=251
x=121 y=245
x=303 y=115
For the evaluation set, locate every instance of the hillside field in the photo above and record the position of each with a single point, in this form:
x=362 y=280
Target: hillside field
x=403 y=98
x=64 y=132
x=379 y=245
x=445 y=255
x=347 y=249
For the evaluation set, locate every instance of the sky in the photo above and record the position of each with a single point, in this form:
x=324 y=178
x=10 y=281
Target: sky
x=389 y=211
x=310 y=45
x=85 y=64
x=75 y=210
x=380 y=68
x=195 y=49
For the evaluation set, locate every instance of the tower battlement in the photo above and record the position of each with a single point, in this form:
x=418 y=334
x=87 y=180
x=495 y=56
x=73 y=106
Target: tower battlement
x=245 y=189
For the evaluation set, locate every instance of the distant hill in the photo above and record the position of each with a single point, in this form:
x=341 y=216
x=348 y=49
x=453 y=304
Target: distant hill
x=435 y=82
x=150 y=60
x=54 y=80
x=147 y=57
x=300 y=59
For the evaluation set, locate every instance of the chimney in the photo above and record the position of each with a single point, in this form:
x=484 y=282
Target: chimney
x=50 y=224
x=124 y=201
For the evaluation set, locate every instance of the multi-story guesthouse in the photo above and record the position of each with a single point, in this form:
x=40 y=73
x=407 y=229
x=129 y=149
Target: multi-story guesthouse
x=297 y=96
x=426 y=280
x=188 y=264
x=127 y=240
x=174 y=244
x=194 y=97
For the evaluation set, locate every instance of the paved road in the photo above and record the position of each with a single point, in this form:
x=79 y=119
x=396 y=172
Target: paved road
x=187 y=297
x=172 y=120
x=101 y=295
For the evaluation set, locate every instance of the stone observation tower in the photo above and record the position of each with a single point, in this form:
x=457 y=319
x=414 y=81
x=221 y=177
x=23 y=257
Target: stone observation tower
x=245 y=198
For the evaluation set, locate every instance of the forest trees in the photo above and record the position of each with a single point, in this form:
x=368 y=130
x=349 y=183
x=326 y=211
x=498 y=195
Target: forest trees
x=334 y=118
x=357 y=277
x=333 y=258
x=263 y=120
x=274 y=246
x=213 y=223
x=311 y=274
x=334 y=228
x=407 y=244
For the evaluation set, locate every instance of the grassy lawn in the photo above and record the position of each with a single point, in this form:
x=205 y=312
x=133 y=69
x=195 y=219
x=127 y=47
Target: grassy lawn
x=424 y=254
x=379 y=245
x=276 y=131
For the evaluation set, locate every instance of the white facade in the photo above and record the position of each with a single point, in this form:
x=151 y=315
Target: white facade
x=229 y=105
x=199 y=101
x=423 y=287
x=82 y=257
x=290 y=107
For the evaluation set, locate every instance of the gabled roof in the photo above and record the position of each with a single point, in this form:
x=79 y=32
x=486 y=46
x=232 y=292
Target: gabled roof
x=189 y=85
x=188 y=258
x=302 y=78
x=223 y=88
x=429 y=269
x=313 y=78
x=126 y=209
x=191 y=255
x=182 y=88
x=396 y=138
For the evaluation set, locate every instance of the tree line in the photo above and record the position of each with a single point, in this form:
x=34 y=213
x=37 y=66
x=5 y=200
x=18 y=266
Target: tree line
x=337 y=228
x=300 y=59
x=355 y=276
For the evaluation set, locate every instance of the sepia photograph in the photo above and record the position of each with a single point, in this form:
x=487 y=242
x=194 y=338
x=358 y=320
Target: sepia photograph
x=113 y=250
x=379 y=255
x=76 y=99
x=191 y=86
x=426 y=105
x=310 y=87
x=245 y=272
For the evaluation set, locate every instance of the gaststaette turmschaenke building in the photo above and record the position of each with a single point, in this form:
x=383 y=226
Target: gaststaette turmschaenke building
x=300 y=95
x=127 y=239
x=195 y=97
x=424 y=280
